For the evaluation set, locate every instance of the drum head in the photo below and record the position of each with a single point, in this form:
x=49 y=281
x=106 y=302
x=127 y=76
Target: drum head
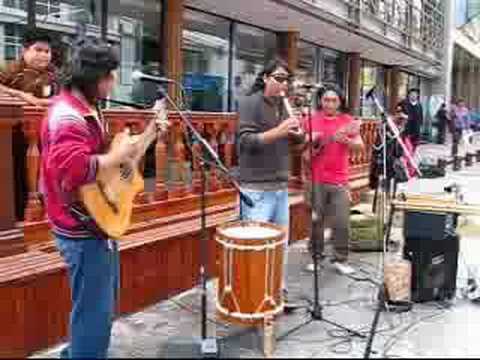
x=251 y=230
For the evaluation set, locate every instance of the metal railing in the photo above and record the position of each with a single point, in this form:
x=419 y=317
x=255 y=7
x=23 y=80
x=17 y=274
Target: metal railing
x=422 y=21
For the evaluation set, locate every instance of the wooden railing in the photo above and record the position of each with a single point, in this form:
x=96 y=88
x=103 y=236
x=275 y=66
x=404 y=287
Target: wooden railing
x=172 y=172
x=163 y=238
x=173 y=161
x=177 y=176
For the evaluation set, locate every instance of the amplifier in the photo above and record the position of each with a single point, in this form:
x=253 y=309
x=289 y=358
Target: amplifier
x=421 y=225
x=434 y=267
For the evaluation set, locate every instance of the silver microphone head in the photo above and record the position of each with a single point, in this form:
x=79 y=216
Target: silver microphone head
x=137 y=75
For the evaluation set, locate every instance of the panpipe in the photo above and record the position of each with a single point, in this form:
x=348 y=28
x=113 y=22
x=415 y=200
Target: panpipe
x=434 y=204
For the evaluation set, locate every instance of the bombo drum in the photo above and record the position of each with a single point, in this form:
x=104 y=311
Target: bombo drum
x=251 y=271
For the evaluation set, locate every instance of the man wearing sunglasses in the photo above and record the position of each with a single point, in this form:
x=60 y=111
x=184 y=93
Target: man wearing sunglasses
x=263 y=138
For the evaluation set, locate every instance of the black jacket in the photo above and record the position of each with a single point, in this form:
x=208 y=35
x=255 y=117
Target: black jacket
x=415 y=118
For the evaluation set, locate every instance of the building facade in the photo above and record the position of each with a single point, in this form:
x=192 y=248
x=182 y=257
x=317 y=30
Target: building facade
x=215 y=48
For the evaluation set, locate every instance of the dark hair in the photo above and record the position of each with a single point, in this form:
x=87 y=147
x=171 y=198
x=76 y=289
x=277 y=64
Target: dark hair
x=336 y=89
x=415 y=90
x=92 y=60
x=34 y=35
x=259 y=84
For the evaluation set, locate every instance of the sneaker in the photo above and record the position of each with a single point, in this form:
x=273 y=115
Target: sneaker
x=320 y=263
x=311 y=268
x=343 y=268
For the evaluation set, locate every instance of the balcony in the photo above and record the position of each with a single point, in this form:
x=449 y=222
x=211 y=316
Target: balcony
x=413 y=24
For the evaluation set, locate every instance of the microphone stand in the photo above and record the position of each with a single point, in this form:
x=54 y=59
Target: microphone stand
x=315 y=309
x=209 y=347
x=387 y=124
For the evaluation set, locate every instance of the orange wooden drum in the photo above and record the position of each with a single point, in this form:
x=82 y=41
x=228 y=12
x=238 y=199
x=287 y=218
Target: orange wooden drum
x=250 y=273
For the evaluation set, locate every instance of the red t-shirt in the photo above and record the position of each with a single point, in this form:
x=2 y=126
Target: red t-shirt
x=331 y=164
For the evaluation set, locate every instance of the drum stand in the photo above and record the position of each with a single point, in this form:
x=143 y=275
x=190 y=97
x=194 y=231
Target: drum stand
x=208 y=345
x=315 y=308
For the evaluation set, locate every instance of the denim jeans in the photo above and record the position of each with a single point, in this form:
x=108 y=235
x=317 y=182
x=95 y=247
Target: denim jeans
x=93 y=270
x=272 y=207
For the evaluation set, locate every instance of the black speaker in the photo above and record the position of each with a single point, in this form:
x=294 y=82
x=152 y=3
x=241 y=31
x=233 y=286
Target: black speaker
x=432 y=246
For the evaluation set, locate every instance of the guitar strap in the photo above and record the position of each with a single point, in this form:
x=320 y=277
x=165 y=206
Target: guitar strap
x=88 y=223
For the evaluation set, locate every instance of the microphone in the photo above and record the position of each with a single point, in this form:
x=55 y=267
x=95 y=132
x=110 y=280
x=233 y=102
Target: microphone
x=140 y=76
x=370 y=93
x=246 y=199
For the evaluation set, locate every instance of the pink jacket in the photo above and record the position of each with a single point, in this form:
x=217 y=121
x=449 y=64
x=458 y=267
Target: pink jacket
x=72 y=136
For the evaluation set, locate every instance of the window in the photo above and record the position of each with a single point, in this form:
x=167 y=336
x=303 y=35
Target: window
x=253 y=48
x=372 y=75
x=307 y=62
x=206 y=47
x=12 y=41
x=135 y=27
x=333 y=66
x=15 y=4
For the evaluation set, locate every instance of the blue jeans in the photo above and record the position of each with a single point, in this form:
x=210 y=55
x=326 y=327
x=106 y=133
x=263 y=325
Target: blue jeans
x=93 y=269
x=272 y=207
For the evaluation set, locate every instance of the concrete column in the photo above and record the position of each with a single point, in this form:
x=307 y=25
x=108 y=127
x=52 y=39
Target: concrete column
x=287 y=47
x=31 y=7
x=394 y=88
x=444 y=85
x=467 y=58
x=459 y=72
x=477 y=90
x=354 y=82
x=173 y=43
x=104 y=19
x=472 y=82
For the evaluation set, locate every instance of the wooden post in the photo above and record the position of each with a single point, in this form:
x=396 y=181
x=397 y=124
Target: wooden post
x=228 y=148
x=10 y=115
x=31 y=128
x=178 y=160
x=354 y=83
x=287 y=47
x=212 y=131
x=173 y=44
x=161 y=161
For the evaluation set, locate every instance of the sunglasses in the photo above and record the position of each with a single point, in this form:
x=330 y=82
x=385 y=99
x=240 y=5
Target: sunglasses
x=280 y=78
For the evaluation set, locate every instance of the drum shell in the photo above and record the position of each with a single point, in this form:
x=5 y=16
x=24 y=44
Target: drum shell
x=253 y=268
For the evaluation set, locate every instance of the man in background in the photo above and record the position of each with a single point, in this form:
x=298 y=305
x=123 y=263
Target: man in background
x=31 y=78
x=414 y=110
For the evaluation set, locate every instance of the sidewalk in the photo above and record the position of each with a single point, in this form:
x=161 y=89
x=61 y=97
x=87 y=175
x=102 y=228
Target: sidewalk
x=426 y=331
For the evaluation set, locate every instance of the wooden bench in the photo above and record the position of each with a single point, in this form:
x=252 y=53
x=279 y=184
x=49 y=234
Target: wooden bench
x=34 y=292
x=33 y=301
x=159 y=258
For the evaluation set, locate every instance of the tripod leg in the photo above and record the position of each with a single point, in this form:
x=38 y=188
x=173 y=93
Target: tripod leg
x=373 y=328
